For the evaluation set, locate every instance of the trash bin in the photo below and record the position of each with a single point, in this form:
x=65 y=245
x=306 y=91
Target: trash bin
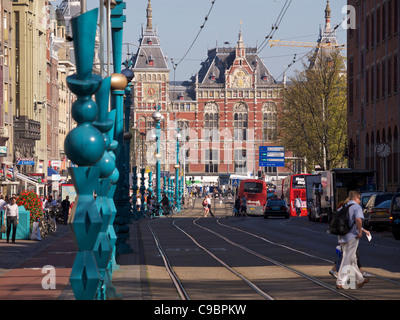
x=23 y=225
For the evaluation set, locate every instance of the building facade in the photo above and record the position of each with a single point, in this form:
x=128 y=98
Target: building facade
x=225 y=112
x=373 y=89
x=6 y=91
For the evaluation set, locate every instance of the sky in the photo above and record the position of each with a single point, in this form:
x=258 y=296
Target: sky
x=178 y=23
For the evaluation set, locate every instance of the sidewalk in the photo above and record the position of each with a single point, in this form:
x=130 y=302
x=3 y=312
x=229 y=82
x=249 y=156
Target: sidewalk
x=21 y=264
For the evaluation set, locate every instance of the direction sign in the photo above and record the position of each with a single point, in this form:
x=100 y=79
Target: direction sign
x=271 y=156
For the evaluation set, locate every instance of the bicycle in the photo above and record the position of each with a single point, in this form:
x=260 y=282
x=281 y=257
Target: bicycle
x=48 y=223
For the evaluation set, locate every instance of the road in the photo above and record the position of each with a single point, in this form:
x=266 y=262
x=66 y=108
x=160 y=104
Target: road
x=251 y=258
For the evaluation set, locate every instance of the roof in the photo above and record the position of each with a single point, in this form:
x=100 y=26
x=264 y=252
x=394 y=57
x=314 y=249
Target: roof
x=220 y=60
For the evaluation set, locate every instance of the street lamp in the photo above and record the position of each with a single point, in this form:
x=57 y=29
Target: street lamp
x=157 y=116
x=177 y=200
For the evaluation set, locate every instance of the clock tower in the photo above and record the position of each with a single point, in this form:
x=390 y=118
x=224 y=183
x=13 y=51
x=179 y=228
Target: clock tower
x=151 y=82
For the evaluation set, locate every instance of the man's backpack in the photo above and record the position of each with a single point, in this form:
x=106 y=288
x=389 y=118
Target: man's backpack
x=340 y=223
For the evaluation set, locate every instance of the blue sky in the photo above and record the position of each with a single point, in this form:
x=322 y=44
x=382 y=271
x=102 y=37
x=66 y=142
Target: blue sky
x=178 y=22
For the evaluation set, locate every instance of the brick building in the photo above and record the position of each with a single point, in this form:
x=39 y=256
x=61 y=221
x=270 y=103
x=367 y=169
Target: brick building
x=373 y=88
x=226 y=111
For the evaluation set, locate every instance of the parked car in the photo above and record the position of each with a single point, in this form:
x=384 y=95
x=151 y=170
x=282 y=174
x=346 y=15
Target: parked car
x=375 y=200
x=379 y=215
x=276 y=208
x=365 y=196
x=394 y=216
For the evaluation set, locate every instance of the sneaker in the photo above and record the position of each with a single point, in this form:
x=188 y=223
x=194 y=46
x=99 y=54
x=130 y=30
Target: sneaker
x=362 y=283
x=366 y=275
x=333 y=273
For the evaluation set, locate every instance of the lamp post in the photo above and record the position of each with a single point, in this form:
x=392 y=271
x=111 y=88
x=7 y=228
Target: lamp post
x=157 y=119
x=177 y=200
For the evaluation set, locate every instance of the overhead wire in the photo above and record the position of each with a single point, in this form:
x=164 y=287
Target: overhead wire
x=314 y=48
x=275 y=26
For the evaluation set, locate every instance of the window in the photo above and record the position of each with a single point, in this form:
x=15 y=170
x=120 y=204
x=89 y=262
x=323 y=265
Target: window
x=270 y=127
x=211 y=123
x=240 y=123
x=211 y=160
x=253 y=187
x=240 y=162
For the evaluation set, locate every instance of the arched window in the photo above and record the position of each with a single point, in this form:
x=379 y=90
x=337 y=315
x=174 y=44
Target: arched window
x=240 y=122
x=211 y=123
x=270 y=127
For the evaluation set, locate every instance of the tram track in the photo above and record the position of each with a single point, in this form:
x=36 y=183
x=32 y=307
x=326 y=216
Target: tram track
x=300 y=251
x=232 y=240
x=250 y=283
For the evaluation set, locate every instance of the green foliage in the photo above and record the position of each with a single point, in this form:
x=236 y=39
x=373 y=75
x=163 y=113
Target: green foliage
x=313 y=123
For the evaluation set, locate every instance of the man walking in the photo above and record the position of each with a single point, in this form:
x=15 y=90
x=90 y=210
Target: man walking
x=297 y=206
x=12 y=215
x=349 y=275
x=209 y=205
x=65 y=204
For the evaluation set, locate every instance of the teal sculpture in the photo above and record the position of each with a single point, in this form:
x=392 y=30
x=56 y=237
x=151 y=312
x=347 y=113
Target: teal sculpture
x=85 y=146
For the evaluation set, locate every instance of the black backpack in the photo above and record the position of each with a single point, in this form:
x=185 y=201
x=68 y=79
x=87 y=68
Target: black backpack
x=339 y=224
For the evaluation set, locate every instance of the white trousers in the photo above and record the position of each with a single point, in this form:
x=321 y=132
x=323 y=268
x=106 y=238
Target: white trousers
x=349 y=274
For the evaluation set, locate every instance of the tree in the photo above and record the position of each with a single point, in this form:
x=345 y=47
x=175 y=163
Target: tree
x=313 y=123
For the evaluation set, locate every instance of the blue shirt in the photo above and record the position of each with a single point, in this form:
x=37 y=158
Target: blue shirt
x=355 y=211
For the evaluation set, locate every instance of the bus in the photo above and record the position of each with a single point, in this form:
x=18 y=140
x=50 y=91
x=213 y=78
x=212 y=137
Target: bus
x=291 y=187
x=255 y=192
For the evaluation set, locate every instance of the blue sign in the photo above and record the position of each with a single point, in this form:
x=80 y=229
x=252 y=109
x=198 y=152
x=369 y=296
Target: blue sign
x=271 y=156
x=25 y=162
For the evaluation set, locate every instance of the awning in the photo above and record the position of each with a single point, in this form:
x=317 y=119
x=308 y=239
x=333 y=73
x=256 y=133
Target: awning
x=51 y=171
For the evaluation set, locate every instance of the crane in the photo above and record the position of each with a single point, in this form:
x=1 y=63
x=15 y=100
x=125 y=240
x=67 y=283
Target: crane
x=326 y=45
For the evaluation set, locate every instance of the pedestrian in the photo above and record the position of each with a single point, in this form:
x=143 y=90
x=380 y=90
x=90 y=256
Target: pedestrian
x=206 y=209
x=65 y=204
x=297 y=205
x=209 y=205
x=243 y=206
x=165 y=204
x=349 y=245
x=339 y=253
x=12 y=215
x=138 y=202
x=237 y=206
x=2 y=204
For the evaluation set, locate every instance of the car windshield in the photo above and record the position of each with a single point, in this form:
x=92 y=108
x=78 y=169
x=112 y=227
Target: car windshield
x=383 y=197
x=384 y=204
x=275 y=203
x=253 y=187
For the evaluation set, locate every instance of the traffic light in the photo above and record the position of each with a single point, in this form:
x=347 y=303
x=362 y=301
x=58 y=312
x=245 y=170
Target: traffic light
x=259 y=173
x=244 y=153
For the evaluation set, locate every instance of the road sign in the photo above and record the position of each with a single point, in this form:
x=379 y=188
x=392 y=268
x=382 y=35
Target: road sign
x=271 y=156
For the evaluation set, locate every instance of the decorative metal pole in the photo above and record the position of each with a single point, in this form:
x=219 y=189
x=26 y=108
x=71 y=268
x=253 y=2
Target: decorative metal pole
x=84 y=146
x=121 y=197
x=177 y=202
x=157 y=119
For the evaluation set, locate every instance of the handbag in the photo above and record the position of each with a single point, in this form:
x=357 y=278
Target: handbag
x=3 y=229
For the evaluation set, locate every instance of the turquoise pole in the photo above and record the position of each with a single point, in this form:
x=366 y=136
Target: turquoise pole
x=85 y=146
x=121 y=197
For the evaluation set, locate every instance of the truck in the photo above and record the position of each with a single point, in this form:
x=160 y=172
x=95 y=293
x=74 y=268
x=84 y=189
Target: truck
x=313 y=185
x=335 y=187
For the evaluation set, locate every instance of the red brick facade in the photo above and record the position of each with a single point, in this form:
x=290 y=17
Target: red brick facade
x=373 y=87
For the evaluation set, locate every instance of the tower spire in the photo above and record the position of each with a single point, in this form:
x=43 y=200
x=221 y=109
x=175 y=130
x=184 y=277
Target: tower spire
x=149 y=16
x=327 y=17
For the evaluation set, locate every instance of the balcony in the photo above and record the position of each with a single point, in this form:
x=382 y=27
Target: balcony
x=25 y=128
